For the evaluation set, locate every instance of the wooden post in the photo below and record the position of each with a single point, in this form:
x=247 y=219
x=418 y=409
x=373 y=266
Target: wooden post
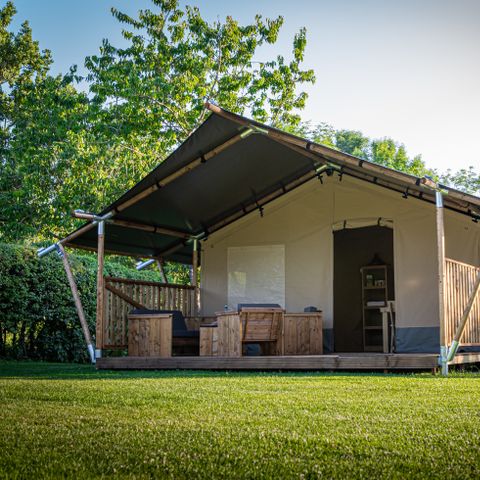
x=100 y=290
x=195 y=272
x=441 y=280
x=78 y=303
x=195 y=263
x=161 y=269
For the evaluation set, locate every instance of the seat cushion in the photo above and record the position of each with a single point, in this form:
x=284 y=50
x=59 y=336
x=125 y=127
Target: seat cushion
x=178 y=320
x=258 y=305
x=186 y=333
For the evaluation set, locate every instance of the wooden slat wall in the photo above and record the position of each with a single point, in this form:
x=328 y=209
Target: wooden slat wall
x=153 y=295
x=460 y=278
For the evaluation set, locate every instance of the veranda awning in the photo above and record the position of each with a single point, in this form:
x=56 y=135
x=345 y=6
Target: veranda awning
x=229 y=167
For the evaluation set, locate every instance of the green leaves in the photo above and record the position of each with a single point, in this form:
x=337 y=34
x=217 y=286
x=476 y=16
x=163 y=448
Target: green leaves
x=466 y=179
x=38 y=319
x=63 y=149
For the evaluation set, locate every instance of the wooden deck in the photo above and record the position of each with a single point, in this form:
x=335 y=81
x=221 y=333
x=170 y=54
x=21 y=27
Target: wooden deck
x=343 y=361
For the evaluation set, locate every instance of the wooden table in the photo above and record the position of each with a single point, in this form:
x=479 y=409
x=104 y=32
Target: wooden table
x=301 y=334
x=150 y=335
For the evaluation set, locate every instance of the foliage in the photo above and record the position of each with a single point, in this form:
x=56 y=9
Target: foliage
x=384 y=151
x=64 y=149
x=37 y=313
x=467 y=180
x=73 y=422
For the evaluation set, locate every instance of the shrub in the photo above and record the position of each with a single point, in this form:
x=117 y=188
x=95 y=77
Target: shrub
x=38 y=319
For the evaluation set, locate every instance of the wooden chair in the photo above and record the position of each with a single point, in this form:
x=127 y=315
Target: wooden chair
x=263 y=326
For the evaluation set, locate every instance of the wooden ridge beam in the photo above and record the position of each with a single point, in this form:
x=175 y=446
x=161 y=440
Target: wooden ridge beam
x=132 y=224
x=182 y=171
x=261 y=202
x=149 y=228
x=109 y=251
x=462 y=200
x=161 y=183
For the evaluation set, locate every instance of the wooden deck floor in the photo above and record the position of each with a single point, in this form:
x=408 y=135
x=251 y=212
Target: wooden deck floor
x=343 y=361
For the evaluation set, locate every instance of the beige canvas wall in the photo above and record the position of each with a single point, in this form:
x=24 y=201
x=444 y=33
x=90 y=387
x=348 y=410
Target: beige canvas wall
x=302 y=221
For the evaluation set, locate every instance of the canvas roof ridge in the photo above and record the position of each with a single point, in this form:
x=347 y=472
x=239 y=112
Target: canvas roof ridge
x=231 y=115
x=301 y=160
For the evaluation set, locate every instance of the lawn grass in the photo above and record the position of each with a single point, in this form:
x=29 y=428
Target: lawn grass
x=71 y=421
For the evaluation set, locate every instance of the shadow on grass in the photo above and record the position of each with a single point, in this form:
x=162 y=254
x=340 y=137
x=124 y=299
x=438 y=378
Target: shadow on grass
x=68 y=371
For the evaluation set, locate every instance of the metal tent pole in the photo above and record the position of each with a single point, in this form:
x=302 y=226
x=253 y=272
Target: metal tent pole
x=441 y=279
x=100 y=290
x=78 y=303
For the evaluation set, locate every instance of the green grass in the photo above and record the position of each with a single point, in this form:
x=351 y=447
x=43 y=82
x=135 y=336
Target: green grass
x=71 y=421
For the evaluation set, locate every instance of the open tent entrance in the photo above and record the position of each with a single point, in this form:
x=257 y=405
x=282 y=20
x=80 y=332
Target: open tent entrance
x=357 y=246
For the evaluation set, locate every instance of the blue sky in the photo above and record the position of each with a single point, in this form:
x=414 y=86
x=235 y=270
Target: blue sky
x=408 y=69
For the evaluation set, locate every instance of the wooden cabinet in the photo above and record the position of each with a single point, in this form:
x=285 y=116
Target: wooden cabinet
x=303 y=334
x=374 y=299
x=150 y=335
x=229 y=335
x=208 y=341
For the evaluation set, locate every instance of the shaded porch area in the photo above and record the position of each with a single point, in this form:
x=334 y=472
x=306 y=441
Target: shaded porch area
x=297 y=345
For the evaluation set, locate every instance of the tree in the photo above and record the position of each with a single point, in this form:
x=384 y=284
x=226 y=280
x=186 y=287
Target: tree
x=150 y=95
x=466 y=179
x=65 y=150
x=352 y=142
x=45 y=167
x=20 y=61
x=384 y=151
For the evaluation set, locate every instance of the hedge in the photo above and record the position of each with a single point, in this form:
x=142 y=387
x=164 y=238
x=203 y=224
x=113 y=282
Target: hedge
x=38 y=319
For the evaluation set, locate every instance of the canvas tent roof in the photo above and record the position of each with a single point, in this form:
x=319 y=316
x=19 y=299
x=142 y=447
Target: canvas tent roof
x=227 y=168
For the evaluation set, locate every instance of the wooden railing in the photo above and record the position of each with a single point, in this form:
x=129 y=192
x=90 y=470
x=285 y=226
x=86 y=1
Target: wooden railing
x=122 y=295
x=460 y=278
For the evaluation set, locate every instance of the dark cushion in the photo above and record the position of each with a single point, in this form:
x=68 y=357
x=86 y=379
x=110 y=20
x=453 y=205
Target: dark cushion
x=186 y=333
x=258 y=305
x=178 y=323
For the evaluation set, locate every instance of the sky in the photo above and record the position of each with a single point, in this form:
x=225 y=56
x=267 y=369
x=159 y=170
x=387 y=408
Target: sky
x=405 y=69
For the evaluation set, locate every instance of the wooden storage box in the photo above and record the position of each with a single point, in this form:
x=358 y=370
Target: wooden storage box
x=208 y=341
x=303 y=334
x=150 y=335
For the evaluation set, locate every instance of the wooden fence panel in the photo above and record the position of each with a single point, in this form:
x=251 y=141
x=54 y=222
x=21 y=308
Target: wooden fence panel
x=460 y=278
x=151 y=295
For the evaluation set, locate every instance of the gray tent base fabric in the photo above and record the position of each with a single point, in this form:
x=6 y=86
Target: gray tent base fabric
x=409 y=340
x=417 y=340
x=328 y=346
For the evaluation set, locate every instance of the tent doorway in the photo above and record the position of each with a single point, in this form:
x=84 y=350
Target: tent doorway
x=355 y=248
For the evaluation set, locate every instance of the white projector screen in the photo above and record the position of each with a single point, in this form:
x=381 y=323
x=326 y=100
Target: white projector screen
x=256 y=275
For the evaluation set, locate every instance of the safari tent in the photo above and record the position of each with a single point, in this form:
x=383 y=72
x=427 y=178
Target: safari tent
x=379 y=266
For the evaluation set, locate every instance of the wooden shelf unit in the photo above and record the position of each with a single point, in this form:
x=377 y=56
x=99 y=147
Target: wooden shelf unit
x=375 y=336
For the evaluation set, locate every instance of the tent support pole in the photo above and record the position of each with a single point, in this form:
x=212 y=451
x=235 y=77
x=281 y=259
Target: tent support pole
x=161 y=269
x=441 y=280
x=195 y=271
x=78 y=302
x=463 y=322
x=100 y=290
